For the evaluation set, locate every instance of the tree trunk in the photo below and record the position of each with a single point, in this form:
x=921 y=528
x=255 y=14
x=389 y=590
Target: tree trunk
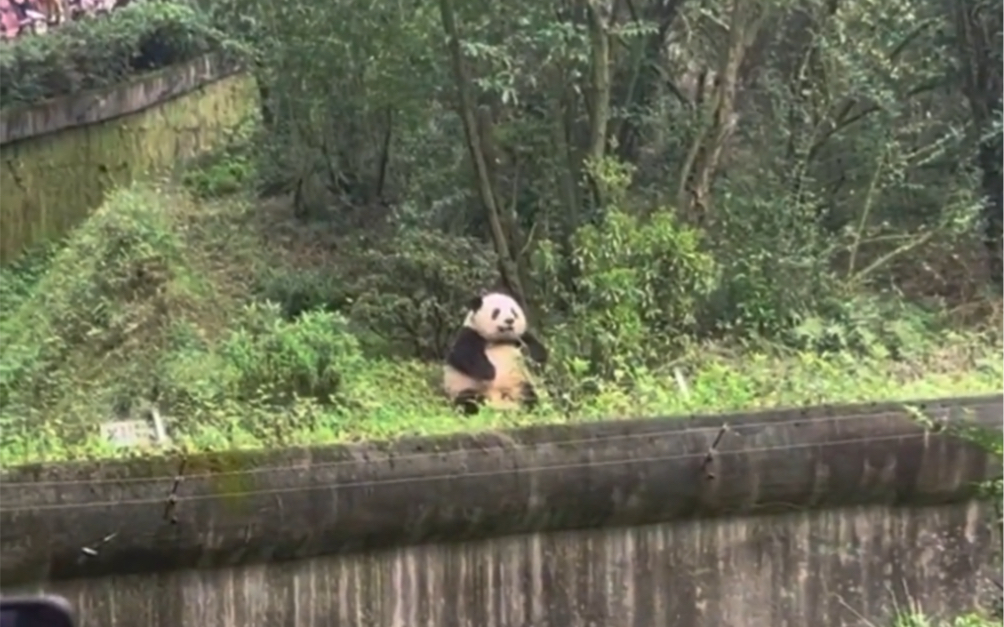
x=642 y=87
x=978 y=33
x=599 y=96
x=718 y=119
x=508 y=269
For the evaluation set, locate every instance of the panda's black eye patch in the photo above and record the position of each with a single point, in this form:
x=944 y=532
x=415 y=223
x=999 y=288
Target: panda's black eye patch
x=495 y=314
x=515 y=314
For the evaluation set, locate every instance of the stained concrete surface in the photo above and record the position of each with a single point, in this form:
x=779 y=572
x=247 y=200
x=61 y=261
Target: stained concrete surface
x=835 y=568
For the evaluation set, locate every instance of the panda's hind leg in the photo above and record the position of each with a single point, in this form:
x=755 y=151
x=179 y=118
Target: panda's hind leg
x=470 y=401
x=528 y=395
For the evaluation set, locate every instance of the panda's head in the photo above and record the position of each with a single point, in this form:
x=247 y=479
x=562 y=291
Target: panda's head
x=496 y=317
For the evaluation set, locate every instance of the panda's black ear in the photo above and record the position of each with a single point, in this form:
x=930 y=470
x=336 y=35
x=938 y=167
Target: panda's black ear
x=474 y=304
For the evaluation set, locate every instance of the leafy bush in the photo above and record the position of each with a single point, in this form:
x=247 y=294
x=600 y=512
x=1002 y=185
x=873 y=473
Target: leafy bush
x=224 y=171
x=219 y=178
x=404 y=298
x=279 y=359
x=410 y=294
x=298 y=291
x=886 y=328
x=637 y=289
x=90 y=54
x=774 y=270
x=265 y=359
x=267 y=379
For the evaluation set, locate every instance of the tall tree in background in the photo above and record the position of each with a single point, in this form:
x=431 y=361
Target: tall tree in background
x=978 y=27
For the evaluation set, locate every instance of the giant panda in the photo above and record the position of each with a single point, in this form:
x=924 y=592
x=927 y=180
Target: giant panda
x=485 y=364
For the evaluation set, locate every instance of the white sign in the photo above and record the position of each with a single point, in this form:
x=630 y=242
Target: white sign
x=129 y=433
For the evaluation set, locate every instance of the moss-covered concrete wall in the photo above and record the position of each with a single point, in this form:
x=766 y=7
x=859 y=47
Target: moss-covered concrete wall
x=50 y=182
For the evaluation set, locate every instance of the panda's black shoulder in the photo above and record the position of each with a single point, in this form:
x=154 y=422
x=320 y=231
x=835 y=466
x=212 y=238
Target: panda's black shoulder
x=467 y=355
x=468 y=337
x=466 y=344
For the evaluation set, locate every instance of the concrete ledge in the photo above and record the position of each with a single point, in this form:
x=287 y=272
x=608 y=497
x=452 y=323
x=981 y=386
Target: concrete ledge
x=88 y=520
x=105 y=104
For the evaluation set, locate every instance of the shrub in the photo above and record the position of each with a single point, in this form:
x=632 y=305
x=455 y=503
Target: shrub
x=282 y=360
x=96 y=53
x=410 y=294
x=265 y=359
x=637 y=289
x=886 y=328
x=226 y=170
x=220 y=177
x=298 y=291
x=774 y=265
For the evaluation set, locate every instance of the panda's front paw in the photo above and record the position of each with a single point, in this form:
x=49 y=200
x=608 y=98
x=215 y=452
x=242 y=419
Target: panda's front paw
x=470 y=402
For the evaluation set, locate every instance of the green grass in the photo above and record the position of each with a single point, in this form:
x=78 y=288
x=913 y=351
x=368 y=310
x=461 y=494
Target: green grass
x=152 y=297
x=916 y=618
x=393 y=400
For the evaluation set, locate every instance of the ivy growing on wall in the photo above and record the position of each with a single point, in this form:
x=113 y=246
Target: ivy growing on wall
x=96 y=53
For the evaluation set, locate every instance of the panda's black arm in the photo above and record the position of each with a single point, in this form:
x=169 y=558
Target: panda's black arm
x=537 y=350
x=468 y=356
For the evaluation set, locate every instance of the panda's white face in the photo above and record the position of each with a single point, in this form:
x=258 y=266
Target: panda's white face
x=498 y=318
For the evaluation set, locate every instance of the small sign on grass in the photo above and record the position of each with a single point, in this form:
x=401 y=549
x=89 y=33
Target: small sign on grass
x=136 y=432
x=128 y=433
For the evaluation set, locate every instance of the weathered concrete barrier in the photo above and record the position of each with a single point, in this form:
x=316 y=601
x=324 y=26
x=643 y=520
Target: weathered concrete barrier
x=797 y=517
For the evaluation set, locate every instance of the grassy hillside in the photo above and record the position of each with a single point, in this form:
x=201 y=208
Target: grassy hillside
x=193 y=306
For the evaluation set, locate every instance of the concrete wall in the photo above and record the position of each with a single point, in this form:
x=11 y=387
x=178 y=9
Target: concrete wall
x=58 y=159
x=802 y=517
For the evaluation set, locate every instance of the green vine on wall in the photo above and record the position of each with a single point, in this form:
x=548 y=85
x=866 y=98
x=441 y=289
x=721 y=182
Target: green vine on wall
x=97 y=53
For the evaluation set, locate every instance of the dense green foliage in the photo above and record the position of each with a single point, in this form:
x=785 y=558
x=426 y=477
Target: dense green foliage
x=704 y=205
x=810 y=165
x=95 y=53
x=918 y=619
x=244 y=335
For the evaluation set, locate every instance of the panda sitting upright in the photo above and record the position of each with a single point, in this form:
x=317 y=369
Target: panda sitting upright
x=485 y=365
